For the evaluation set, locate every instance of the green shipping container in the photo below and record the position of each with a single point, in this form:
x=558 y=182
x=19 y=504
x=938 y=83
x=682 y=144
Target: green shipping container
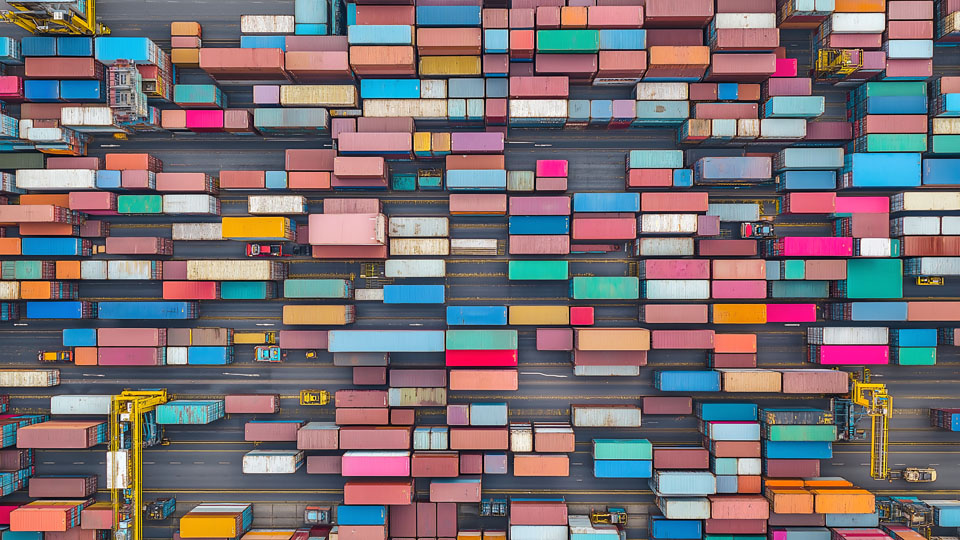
x=403 y=182
x=492 y=340
x=539 y=270
x=21 y=160
x=783 y=432
x=895 y=142
x=945 y=144
x=605 y=288
x=916 y=356
x=874 y=278
x=140 y=204
x=723 y=466
x=794 y=269
x=622 y=449
x=28 y=269
x=908 y=88
x=800 y=289
x=246 y=290
x=568 y=41
x=656 y=159
x=316 y=288
x=520 y=181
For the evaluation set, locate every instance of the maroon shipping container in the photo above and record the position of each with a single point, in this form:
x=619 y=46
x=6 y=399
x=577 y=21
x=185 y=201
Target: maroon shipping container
x=403 y=521
x=579 y=67
x=375 y=438
x=59 y=434
x=483 y=162
x=673 y=14
x=682 y=339
x=712 y=111
x=309 y=159
x=672 y=405
x=60 y=162
x=610 y=358
x=538 y=513
x=674 y=37
x=447 y=519
x=271 y=431
x=242 y=180
x=554 y=339
x=435 y=464
x=413 y=378
x=403 y=417
x=362 y=416
x=742 y=67
x=361 y=398
x=745 y=39
x=369 y=375
x=302 y=339
x=131 y=337
x=139 y=245
x=455 y=492
x=674 y=313
x=318 y=439
x=130 y=356
x=829 y=131
x=426 y=519
x=475 y=438
x=59 y=67
x=252 y=404
x=733 y=360
x=681 y=458
x=796 y=520
x=15 y=459
x=746 y=6
x=735 y=526
x=323 y=464
x=539 y=245
x=735 y=448
x=727 y=248
x=792 y=468
x=60 y=487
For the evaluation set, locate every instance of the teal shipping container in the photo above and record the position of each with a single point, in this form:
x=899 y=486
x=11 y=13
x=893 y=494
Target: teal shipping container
x=661 y=112
x=622 y=449
x=202 y=411
x=310 y=11
x=317 y=288
x=380 y=34
x=247 y=290
x=657 y=159
x=808 y=158
x=794 y=107
x=199 y=95
x=605 y=288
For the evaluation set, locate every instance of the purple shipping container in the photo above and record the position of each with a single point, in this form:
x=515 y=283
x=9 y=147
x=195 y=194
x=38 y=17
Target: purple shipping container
x=413 y=378
x=741 y=288
x=476 y=142
x=540 y=206
x=303 y=339
x=682 y=339
x=323 y=464
x=458 y=415
x=266 y=94
x=252 y=404
x=495 y=464
x=272 y=431
x=554 y=339
x=361 y=398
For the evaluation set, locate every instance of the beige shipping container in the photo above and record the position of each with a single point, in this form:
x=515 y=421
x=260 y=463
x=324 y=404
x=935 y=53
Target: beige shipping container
x=925 y=200
x=662 y=91
x=750 y=380
x=319 y=95
x=539 y=315
x=419 y=246
x=318 y=315
x=234 y=270
x=266 y=24
x=9 y=290
x=450 y=66
x=739 y=269
x=945 y=126
x=276 y=204
x=29 y=378
x=420 y=109
x=612 y=339
x=474 y=246
x=197 y=231
x=538 y=108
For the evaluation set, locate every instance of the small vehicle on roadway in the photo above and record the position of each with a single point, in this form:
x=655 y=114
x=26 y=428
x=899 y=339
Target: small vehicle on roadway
x=930 y=280
x=756 y=230
x=55 y=356
x=915 y=474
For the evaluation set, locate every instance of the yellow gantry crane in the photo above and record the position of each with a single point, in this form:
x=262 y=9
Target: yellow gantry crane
x=867 y=399
x=837 y=63
x=76 y=18
x=133 y=427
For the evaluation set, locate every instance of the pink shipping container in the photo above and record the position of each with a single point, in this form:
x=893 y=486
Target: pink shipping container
x=539 y=87
x=614 y=16
x=541 y=513
x=554 y=339
x=816 y=246
x=539 y=244
x=96 y=518
x=252 y=404
x=863 y=205
x=673 y=405
x=470 y=203
x=914 y=68
x=788 y=86
x=682 y=339
x=131 y=337
x=130 y=356
x=477 y=438
x=455 y=492
x=359 y=167
x=302 y=339
x=746 y=6
x=909 y=30
x=579 y=67
x=910 y=10
x=426 y=519
x=552 y=168
x=63 y=486
x=739 y=507
x=810 y=203
x=100 y=203
x=540 y=206
x=814 y=381
x=55 y=162
x=639 y=178
x=674 y=202
x=458 y=415
x=791 y=313
x=739 y=269
x=242 y=179
x=672 y=14
x=243 y=64
x=362 y=416
x=269 y=431
x=383 y=14
x=933 y=311
x=204 y=120
x=60 y=434
x=676 y=269
x=604 y=228
x=309 y=159
x=891 y=123
x=378 y=492
x=465 y=142
x=191 y=290
x=318 y=439
x=375 y=438
x=727 y=248
x=186 y=182
x=447 y=520
x=413 y=378
x=318 y=66
x=361 y=532
x=139 y=245
x=375 y=464
x=711 y=111
x=383 y=143
x=743 y=288
x=681 y=458
x=742 y=67
x=551 y=184
x=852 y=355
x=361 y=398
x=675 y=313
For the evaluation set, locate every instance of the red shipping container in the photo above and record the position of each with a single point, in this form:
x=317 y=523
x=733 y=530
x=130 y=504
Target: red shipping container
x=580 y=67
x=271 y=431
x=186 y=182
x=251 y=403
x=96 y=517
x=542 y=513
x=746 y=6
x=674 y=313
x=302 y=339
x=123 y=162
x=403 y=521
x=610 y=358
x=389 y=15
x=59 y=67
x=909 y=30
x=435 y=464
x=191 y=290
x=521 y=46
x=495 y=18
x=910 y=10
x=393 y=493
x=914 y=68
x=242 y=180
x=360 y=416
x=481 y=358
x=673 y=405
x=460 y=161
x=375 y=438
x=362 y=532
x=742 y=67
x=471 y=463
x=62 y=486
x=640 y=178
x=680 y=458
x=725 y=110
x=455 y=492
x=99 y=203
x=672 y=14
x=474 y=438
x=446 y=520
x=745 y=39
x=403 y=417
x=735 y=448
x=733 y=507
x=319 y=66
x=621 y=64
x=131 y=337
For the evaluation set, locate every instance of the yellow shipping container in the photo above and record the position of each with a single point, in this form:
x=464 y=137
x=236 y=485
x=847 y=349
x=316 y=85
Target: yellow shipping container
x=750 y=380
x=421 y=143
x=449 y=66
x=860 y=6
x=740 y=314
x=421 y=109
x=257 y=228
x=534 y=315
x=319 y=315
x=612 y=339
x=209 y=525
x=319 y=95
x=272 y=534
x=441 y=143
x=250 y=338
x=468 y=535
x=494 y=535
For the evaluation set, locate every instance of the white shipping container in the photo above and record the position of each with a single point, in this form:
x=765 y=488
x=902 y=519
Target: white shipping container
x=581 y=526
x=433 y=89
x=745 y=20
x=538 y=532
x=848 y=335
x=684 y=507
x=521 y=438
x=538 y=108
x=599 y=416
x=368 y=295
x=900 y=49
x=950 y=225
x=418 y=109
x=473 y=246
x=735 y=212
x=9 y=290
x=664 y=247
x=668 y=224
x=52 y=135
x=415 y=268
x=606 y=371
x=191 y=204
x=93 y=269
x=56 y=179
x=35 y=378
x=676 y=289
x=945 y=126
x=272 y=461
x=783 y=128
x=874 y=247
x=924 y=201
x=266 y=24
x=81 y=404
x=177 y=356
x=419 y=227
x=276 y=204
x=662 y=91
x=197 y=231
x=933 y=266
x=231 y=270
x=915 y=226
x=420 y=246
x=135 y=270
x=857 y=23
x=89 y=116
x=749 y=466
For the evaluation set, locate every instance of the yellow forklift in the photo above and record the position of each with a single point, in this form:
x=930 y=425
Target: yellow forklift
x=314 y=397
x=612 y=516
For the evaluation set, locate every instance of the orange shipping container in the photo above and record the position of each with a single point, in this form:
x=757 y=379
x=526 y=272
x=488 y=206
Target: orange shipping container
x=35 y=290
x=783 y=482
x=136 y=162
x=740 y=313
x=541 y=465
x=735 y=343
x=573 y=17
x=665 y=55
x=860 y=6
x=11 y=246
x=450 y=41
x=56 y=199
x=739 y=269
x=67 y=269
x=47 y=229
x=395 y=60
x=398 y=493
x=827 y=483
x=85 y=356
x=492 y=438
x=612 y=339
x=183 y=28
x=484 y=379
x=843 y=501
x=933 y=311
x=790 y=501
x=739 y=507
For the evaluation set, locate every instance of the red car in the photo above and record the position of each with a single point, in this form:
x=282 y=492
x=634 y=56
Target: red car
x=266 y=250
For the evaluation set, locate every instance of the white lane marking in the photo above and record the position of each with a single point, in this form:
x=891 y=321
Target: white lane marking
x=198 y=462
x=543 y=374
x=223 y=463
x=49 y=462
x=79 y=462
x=175 y=463
x=242 y=374
x=149 y=462
x=93 y=374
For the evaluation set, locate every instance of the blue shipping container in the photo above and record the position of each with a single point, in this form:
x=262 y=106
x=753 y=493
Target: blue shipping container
x=38 y=46
x=477 y=315
x=209 y=356
x=601 y=111
x=147 y=310
x=386 y=341
x=683 y=178
x=263 y=42
x=495 y=41
x=390 y=88
x=946 y=514
x=82 y=91
x=55 y=310
x=797 y=449
x=108 y=179
x=728 y=91
x=413 y=294
x=687 y=381
x=135 y=49
x=476 y=180
x=616 y=468
x=661 y=112
x=606 y=202
x=852 y=520
x=675 y=529
x=79 y=337
x=897 y=105
x=74 y=46
x=310 y=30
x=727 y=412
x=380 y=34
x=883 y=170
x=623 y=40
x=10 y=51
x=201 y=411
x=468 y=88
x=539 y=224
x=941 y=172
x=310 y=11
x=801 y=180
x=348 y=514
x=41 y=91
x=497 y=87
x=915 y=337
x=448 y=16
x=878 y=311
x=36 y=246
